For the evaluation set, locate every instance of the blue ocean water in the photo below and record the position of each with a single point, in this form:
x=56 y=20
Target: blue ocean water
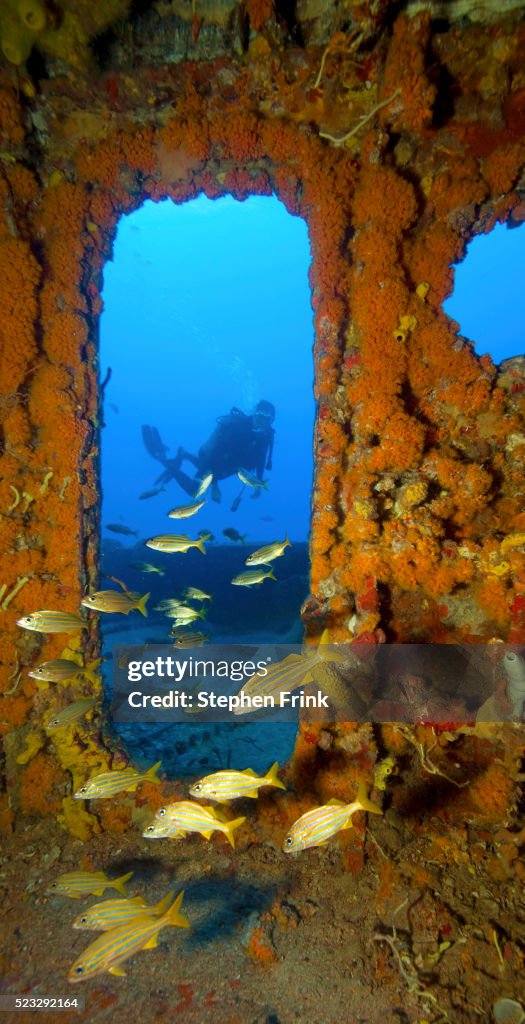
x=207 y=308
x=487 y=300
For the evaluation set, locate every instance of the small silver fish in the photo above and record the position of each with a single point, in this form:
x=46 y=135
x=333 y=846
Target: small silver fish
x=266 y=554
x=150 y=494
x=183 y=511
x=124 y=530
x=171 y=543
x=251 y=480
x=247 y=579
x=61 y=669
x=183 y=639
x=146 y=567
x=203 y=486
x=70 y=714
x=184 y=615
x=53 y=622
x=194 y=594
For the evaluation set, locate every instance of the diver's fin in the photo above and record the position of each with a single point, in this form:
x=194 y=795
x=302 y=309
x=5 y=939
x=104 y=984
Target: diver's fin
x=153 y=443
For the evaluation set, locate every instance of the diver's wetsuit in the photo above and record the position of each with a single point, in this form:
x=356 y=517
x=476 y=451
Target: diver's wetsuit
x=234 y=444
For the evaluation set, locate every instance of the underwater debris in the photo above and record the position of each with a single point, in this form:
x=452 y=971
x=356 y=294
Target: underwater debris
x=16 y=500
x=514 y=666
x=29 y=499
x=508 y=1011
x=62 y=492
x=45 y=484
x=408 y=971
x=426 y=763
x=21 y=582
x=364 y=119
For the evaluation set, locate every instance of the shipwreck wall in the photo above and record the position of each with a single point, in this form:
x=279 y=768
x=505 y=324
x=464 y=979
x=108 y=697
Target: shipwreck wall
x=396 y=137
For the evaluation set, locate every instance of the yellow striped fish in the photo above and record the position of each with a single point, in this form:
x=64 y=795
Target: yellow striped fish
x=183 y=615
x=316 y=828
x=121 y=601
x=251 y=480
x=203 y=486
x=112 y=947
x=53 y=622
x=102 y=917
x=182 y=639
x=146 y=567
x=71 y=713
x=183 y=511
x=194 y=594
x=289 y=674
x=172 y=543
x=169 y=605
x=161 y=829
x=110 y=783
x=87 y=883
x=247 y=579
x=266 y=554
x=60 y=670
x=229 y=785
x=188 y=817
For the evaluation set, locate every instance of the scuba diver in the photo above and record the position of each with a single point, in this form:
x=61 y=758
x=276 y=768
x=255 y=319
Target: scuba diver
x=238 y=442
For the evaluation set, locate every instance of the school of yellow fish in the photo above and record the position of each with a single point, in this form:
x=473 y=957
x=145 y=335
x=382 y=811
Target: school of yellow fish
x=128 y=925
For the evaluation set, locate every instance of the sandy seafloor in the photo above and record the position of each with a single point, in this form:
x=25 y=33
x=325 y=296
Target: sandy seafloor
x=418 y=920
x=274 y=938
